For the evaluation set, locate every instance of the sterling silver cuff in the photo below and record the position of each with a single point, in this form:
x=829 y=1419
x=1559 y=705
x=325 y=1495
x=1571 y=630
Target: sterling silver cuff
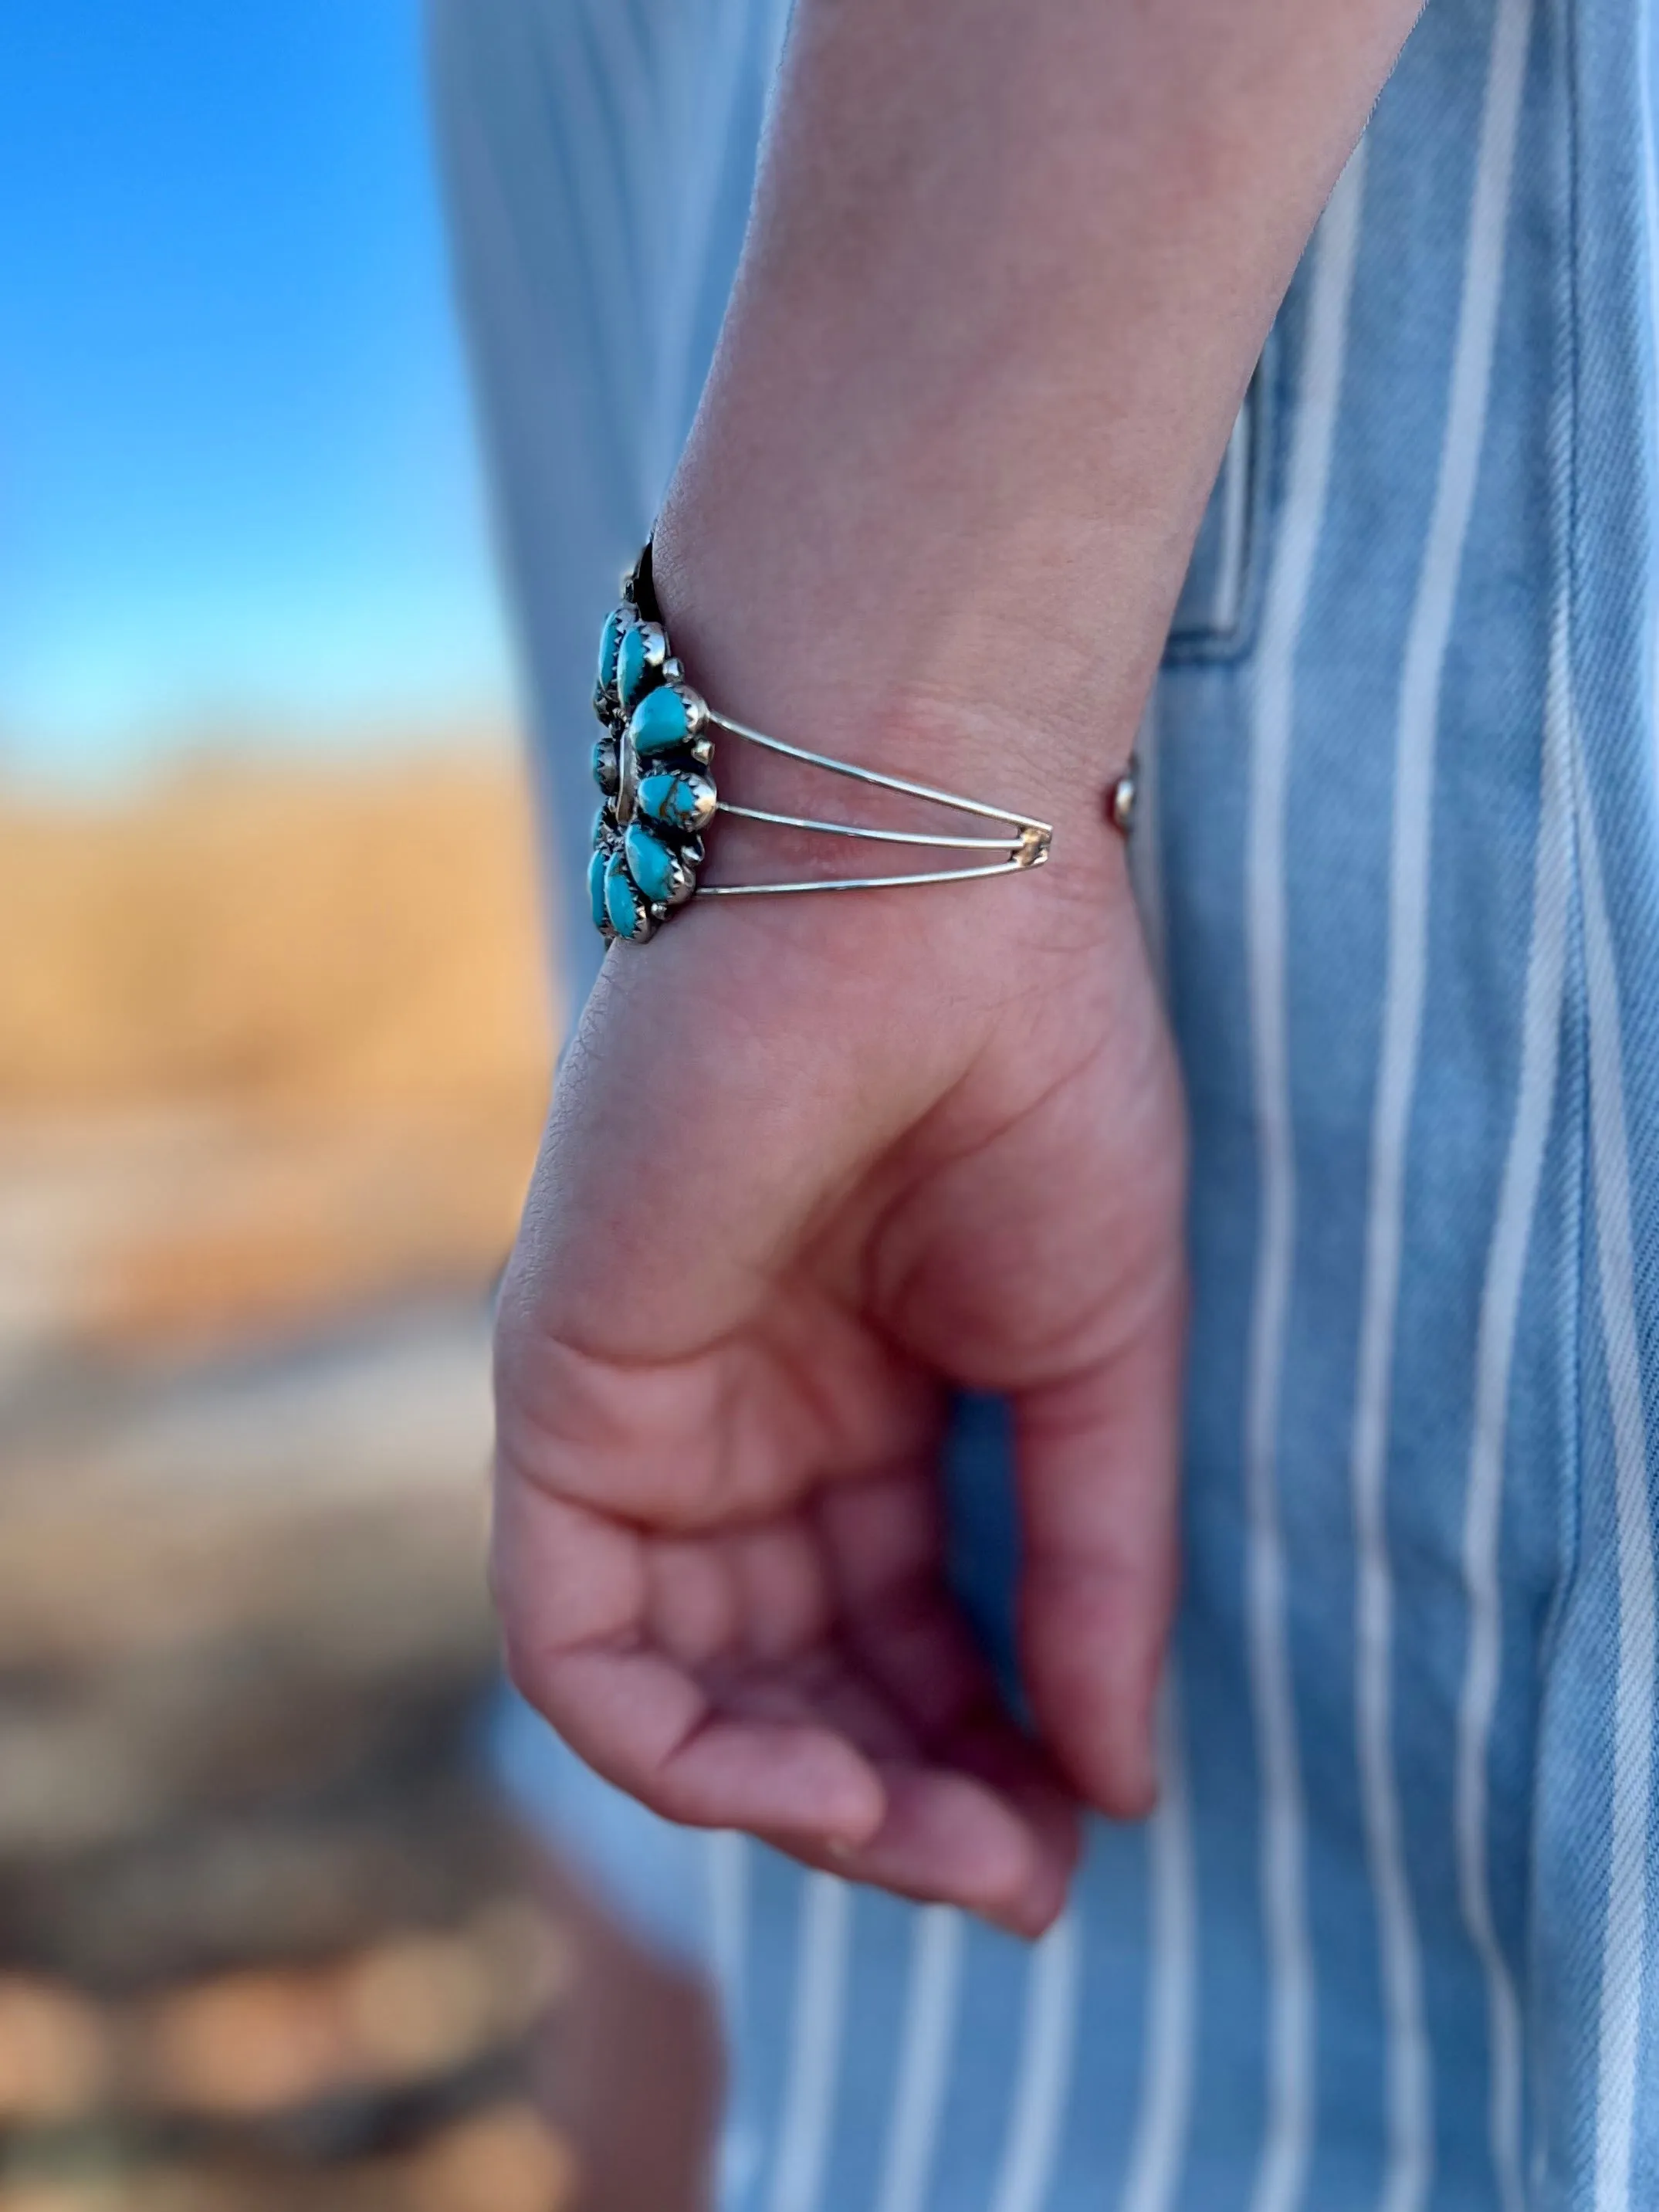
x=653 y=767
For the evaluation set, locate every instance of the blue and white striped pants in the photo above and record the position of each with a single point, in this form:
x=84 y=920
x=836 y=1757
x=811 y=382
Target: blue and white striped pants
x=1393 y=1938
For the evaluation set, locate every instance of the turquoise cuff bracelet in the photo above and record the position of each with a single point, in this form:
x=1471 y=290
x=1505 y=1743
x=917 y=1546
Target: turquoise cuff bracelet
x=658 y=796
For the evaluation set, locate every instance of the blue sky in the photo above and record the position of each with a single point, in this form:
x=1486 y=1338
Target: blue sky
x=237 y=484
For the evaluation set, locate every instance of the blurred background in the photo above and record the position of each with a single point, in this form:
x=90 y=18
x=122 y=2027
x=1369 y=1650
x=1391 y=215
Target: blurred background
x=273 y=1045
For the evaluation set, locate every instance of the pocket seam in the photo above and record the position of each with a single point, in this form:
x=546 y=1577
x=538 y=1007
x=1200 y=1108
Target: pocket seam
x=1201 y=643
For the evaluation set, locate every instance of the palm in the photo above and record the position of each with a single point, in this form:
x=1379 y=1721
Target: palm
x=719 y=1531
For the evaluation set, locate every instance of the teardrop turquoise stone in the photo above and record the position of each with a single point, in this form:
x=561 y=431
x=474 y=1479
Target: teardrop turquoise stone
x=660 y=873
x=606 y=767
x=678 y=797
x=624 y=907
x=640 y=657
x=596 y=868
x=661 y=723
x=610 y=643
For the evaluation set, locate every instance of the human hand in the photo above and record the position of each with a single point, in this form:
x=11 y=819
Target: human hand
x=811 y=1164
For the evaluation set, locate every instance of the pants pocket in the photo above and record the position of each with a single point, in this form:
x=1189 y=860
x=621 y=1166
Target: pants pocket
x=1215 y=615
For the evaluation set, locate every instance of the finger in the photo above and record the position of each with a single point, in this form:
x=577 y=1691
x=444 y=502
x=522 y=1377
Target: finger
x=573 y=1591
x=883 y=1538
x=1003 y=1838
x=1097 y=1459
x=976 y=1814
x=898 y=1619
x=634 y=1650
x=647 y=1725
x=949 y=1840
x=995 y=1751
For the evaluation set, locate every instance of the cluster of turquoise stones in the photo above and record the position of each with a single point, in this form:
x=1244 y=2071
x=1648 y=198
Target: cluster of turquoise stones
x=650 y=765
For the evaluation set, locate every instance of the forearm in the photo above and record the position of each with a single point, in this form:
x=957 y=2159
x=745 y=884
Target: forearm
x=1009 y=271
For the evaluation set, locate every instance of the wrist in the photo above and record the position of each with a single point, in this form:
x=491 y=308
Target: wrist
x=881 y=684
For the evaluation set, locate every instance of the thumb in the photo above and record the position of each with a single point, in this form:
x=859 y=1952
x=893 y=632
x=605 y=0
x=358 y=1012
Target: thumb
x=1097 y=1456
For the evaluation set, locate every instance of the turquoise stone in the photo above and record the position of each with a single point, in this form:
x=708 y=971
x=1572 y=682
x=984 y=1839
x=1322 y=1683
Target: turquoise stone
x=661 y=874
x=661 y=723
x=609 y=642
x=624 y=907
x=640 y=658
x=678 y=797
x=606 y=768
x=596 y=868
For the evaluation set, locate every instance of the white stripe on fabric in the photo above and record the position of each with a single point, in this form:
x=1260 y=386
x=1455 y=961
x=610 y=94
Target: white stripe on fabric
x=1647 y=91
x=1160 y=2139
x=1288 y=2124
x=1500 y=1306
x=924 y=2068
x=809 y=2096
x=728 y=1865
x=1408 y=2079
x=726 y=1855
x=1038 y=2110
x=1625 y=1934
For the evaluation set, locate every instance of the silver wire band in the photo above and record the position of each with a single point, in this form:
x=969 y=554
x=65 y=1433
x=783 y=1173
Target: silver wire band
x=855 y=829
x=874 y=775
x=870 y=882
x=1027 y=848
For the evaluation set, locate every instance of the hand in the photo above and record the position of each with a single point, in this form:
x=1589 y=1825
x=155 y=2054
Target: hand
x=813 y=1162
x=810 y=1164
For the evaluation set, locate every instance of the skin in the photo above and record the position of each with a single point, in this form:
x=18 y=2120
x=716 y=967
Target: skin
x=811 y=1164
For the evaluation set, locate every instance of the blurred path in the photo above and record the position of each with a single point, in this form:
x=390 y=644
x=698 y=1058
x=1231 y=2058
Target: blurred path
x=265 y=1941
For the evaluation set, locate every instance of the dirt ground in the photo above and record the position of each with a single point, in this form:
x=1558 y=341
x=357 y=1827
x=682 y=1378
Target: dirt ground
x=273 y=1056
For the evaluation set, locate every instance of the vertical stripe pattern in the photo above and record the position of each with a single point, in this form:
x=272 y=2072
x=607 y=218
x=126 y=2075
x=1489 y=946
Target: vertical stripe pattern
x=1038 y=2108
x=930 y=2025
x=728 y=1865
x=1648 y=89
x=1632 y=1842
x=1500 y=1304
x=807 y=2118
x=1408 y=2085
x=1160 y=2138
x=1288 y=2122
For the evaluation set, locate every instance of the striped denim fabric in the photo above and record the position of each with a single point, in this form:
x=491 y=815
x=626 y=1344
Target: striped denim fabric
x=1392 y=1939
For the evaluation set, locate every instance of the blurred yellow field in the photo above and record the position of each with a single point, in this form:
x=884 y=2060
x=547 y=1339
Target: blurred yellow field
x=273 y=1040
x=274 y=934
